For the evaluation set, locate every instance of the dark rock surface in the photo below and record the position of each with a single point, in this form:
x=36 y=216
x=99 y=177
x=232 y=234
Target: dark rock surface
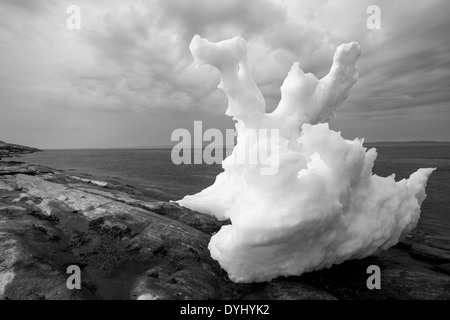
x=131 y=246
x=427 y=253
x=445 y=268
x=52 y=221
x=286 y=290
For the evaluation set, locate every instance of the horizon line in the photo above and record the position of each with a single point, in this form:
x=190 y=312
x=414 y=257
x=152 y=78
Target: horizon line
x=225 y=146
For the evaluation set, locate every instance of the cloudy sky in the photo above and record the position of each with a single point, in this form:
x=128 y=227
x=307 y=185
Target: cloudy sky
x=126 y=77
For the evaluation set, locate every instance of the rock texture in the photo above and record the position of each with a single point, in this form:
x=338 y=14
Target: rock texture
x=131 y=246
x=125 y=250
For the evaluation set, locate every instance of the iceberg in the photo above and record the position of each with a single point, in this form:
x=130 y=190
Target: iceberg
x=323 y=205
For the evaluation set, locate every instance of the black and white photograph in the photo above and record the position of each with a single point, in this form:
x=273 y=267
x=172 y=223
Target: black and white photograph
x=223 y=156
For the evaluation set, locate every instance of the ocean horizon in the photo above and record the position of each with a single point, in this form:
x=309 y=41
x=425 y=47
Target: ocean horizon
x=366 y=143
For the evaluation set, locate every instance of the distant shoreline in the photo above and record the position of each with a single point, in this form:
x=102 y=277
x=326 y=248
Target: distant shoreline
x=369 y=143
x=23 y=149
x=408 y=143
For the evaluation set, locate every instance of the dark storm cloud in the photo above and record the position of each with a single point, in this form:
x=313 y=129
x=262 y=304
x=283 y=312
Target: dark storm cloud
x=129 y=66
x=411 y=69
x=201 y=16
x=147 y=46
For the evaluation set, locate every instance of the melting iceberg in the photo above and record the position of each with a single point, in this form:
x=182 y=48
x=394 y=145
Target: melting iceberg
x=322 y=205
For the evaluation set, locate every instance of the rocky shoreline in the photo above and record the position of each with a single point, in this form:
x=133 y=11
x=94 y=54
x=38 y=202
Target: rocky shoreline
x=132 y=246
x=8 y=150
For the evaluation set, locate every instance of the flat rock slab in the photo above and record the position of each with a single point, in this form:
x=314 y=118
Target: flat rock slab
x=428 y=253
x=124 y=251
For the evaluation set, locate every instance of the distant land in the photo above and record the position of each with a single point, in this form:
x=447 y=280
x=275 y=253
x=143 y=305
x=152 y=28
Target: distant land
x=11 y=147
x=408 y=143
x=8 y=150
x=378 y=143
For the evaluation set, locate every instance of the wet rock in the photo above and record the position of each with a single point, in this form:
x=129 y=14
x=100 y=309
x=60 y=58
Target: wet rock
x=202 y=222
x=415 y=283
x=286 y=290
x=205 y=223
x=427 y=253
x=402 y=277
x=57 y=221
x=444 y=268
x=438 y=241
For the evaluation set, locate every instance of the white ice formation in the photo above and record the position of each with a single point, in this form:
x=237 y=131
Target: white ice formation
x=323 y=205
